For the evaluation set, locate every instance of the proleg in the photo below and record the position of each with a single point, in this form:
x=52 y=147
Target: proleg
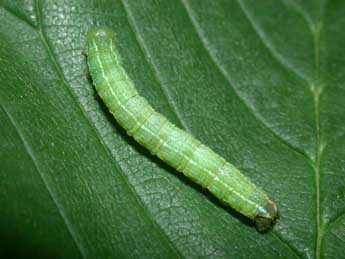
x=162 y=138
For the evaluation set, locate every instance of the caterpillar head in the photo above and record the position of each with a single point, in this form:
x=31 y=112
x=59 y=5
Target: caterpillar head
x=266 y=217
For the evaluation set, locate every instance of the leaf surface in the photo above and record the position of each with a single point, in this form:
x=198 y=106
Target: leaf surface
x=261 y=82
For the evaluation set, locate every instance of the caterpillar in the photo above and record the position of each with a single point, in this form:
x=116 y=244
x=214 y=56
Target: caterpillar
x=162 y=138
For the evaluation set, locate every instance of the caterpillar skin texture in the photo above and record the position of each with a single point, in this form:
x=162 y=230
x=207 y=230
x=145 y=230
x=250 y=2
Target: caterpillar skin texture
x=163 y=139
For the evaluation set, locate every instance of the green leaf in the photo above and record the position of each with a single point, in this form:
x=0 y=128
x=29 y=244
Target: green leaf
x=261 y=82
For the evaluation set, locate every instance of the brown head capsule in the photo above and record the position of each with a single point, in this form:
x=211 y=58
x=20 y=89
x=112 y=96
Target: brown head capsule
x=266 y=217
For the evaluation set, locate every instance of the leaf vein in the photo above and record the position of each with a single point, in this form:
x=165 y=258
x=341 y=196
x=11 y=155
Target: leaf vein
x=261 y=35
x=51 y=193
x=222 y=71
x=19 y=17
x=317 y=91
x=333 y=222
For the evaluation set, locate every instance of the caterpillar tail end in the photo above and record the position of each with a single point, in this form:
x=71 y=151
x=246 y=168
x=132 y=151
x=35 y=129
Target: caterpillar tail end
x=100 y=33
x=267 y=217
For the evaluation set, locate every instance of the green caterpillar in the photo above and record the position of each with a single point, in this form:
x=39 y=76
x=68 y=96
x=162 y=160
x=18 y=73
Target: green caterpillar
x=163 y=139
